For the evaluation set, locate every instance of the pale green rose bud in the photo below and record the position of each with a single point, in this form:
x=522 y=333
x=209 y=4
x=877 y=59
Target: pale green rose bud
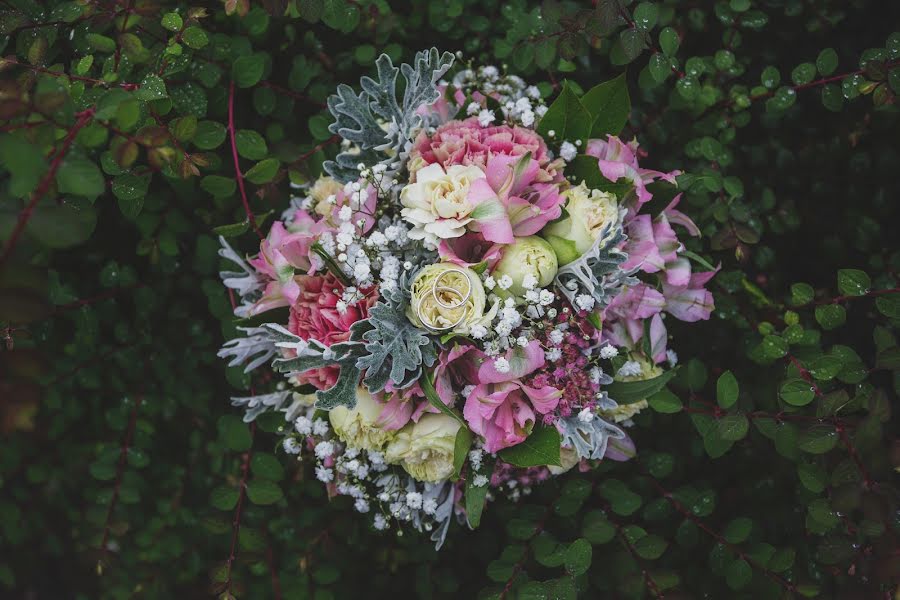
x=530 y=255
x=589 y=211
x=356 y=426
x=425 y=449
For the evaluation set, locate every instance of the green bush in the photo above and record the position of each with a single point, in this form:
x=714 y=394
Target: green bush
x=135 y=132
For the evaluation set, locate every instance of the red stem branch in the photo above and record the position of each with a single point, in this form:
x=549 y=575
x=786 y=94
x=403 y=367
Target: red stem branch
x=684 y=512
x=120 y=471
x=239 y=177
x=43 y=187
x=236 y=522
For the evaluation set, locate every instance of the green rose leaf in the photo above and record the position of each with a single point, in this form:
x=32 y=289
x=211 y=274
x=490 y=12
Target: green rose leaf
x=567 y=118
x=609 y=105
x=539 y=449
x=629 y=392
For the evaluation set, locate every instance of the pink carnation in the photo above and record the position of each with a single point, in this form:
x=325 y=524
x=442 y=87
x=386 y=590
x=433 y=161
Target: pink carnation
x=314 y=315
x=467 y=143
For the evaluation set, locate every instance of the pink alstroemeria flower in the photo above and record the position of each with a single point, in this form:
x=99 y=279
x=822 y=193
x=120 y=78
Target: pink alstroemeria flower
x=281 y=255
x=618 y=160
x=501 y=408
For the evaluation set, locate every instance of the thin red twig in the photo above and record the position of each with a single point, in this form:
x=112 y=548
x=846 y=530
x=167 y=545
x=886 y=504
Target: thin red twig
x=120 y=471
x=684 y=512
x=43 y=187
x=236 y=522
x=239 y=177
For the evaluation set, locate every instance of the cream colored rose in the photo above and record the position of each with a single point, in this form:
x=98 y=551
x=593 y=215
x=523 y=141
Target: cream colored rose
x=568 y=458
x=526 y=256
x=425 y=449
x=356 y=426
x=623 y=412
x=323 y=193
x=437 y=204
x=589 y=211
x=448 y=298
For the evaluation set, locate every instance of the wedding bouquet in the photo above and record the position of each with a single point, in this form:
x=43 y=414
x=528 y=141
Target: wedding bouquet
x=472 y=300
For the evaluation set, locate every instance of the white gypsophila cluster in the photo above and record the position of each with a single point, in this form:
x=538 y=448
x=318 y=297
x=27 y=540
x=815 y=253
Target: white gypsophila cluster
x=520 y=104
x=631 y=368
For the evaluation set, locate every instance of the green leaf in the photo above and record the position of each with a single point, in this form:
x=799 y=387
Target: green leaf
x=609 y=106
x=596 y=528
x=738 y=574
x=62 y=224
x=567 y=118
x=818 y=439
x=629 y=392
x=803 y=73
x=541 y=448
x=831 y=316
x=432 y=396
x=152 y=88
x=172 y=21
x=665 y=402
x=247 y=70
x=827 y=61
x=250 y=144
x=801 y=293
x=263 y=491
x=853 y=282
x=266 y=466
x=263 y=171
x=80 y=176
x=738 y=530
x=234 y=433
x=210 y=135
x=194 y=37
x=130 y=190
x=461 y=445
x=669 y=41
x=224 y=497
x=475 y=495
x=25 y=163
x=650 y=547
x=578 y=557
x=623 y=500
x=645 y=15
x=218 y=186
x=727 y=390
x=732 y=427
x=632 y=41
x=797 y=392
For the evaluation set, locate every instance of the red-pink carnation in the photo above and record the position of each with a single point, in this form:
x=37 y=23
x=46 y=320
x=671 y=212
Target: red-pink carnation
x=467 y=143
x=315 y=316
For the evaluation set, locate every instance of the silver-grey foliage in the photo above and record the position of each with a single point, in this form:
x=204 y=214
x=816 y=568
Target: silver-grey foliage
x=359 y=118
x=597 y=272
x=589 y=439
x=256 y=405
x=254 y=349
x=245 y=282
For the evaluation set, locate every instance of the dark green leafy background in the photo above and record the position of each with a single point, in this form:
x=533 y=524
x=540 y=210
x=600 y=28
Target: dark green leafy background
x=133 y=132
